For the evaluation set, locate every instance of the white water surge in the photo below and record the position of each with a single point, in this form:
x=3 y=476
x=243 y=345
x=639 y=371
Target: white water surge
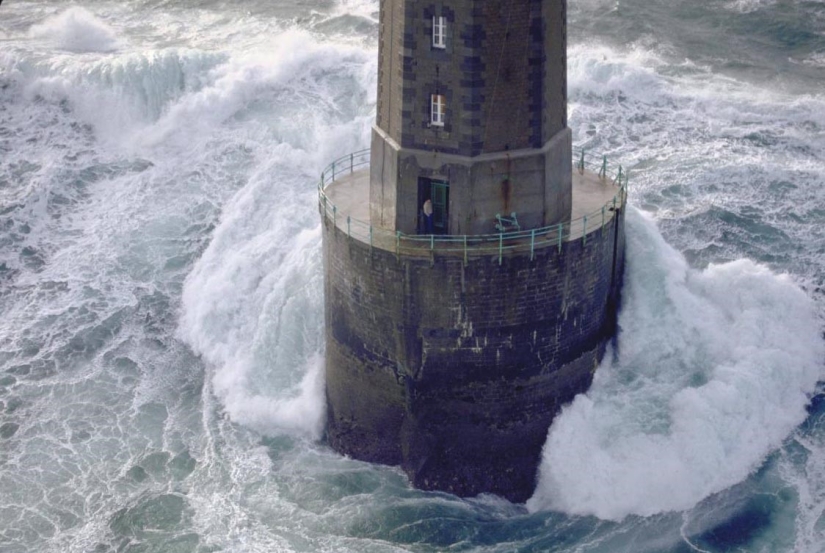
x=713 y=371
x=253 y=304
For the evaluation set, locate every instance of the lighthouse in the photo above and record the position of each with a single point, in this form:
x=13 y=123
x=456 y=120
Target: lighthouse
x=473 y=260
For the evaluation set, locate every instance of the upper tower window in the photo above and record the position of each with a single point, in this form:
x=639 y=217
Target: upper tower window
x=438 y=105
x=439 y=31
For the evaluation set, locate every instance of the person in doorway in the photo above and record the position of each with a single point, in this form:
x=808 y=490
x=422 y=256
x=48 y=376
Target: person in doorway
x=428 y=216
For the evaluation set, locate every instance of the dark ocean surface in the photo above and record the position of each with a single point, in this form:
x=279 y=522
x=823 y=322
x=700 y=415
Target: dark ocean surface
x=161 y=310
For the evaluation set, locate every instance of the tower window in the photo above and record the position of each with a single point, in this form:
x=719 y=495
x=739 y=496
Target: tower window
x=439 y=31
x=438 y=105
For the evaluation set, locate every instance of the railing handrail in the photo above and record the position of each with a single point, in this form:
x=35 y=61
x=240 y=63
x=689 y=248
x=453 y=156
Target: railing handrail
x=479 y=243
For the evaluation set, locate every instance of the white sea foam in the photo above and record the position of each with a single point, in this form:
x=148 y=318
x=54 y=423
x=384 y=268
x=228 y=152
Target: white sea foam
x=116 y=231
x=252 y=305
x=738 y=163
x=748 y=6
x=367 y=9
x=77 y=30
x=713 y=372
x=817 y=59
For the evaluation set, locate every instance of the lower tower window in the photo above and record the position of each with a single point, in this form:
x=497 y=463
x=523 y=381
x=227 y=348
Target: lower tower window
x=438 y=105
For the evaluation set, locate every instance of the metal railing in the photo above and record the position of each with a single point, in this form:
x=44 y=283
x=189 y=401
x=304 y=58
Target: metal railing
x=344 y=165
x=497 y=244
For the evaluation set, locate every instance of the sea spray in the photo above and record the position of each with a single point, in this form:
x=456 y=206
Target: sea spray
x=713 y=370
x=77 y=30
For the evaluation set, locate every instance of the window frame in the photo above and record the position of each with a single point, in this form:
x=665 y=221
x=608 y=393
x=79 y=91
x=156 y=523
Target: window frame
x=438 y=109
x=439 y=32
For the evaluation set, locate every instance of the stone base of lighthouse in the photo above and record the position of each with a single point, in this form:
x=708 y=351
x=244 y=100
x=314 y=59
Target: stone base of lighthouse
x=453 y=367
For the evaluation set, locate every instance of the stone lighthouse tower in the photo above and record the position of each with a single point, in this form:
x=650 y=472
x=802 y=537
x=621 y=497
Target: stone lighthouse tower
x=472 y=272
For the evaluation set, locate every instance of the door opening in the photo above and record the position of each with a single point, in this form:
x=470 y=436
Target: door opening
x=434 y=206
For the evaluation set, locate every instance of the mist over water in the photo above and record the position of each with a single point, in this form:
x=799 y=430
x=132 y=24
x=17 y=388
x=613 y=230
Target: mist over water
x=161 y=337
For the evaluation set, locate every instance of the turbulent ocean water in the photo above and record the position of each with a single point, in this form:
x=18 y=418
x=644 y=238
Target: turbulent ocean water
x=161 y=310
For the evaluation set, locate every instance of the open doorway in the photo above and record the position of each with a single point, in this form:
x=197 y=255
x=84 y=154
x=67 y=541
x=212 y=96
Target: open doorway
x=436 y=192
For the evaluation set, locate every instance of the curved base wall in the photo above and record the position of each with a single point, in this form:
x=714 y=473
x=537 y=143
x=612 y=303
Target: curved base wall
x=455 y=370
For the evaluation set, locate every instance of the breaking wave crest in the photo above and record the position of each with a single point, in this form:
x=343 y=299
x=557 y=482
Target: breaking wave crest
x=77 y=30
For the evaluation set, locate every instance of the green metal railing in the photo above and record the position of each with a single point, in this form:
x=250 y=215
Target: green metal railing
x=498 y=244
x=345 y=165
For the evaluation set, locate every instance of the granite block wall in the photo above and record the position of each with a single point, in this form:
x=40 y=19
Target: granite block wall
x=454 y=371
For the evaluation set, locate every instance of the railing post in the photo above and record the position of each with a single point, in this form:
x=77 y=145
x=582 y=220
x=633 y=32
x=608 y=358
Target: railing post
x=532 y=243
x=465 y=249
x=561 y=231
x=333 y=171
x=581 y=163
x=602 y=217
x=370 y=236
x=602 y=171
x=325 y=205
x=334 y=216
x=500 y=246
x=349 y=234
x=432 y=242
x=584 y=229
x=619 y=177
